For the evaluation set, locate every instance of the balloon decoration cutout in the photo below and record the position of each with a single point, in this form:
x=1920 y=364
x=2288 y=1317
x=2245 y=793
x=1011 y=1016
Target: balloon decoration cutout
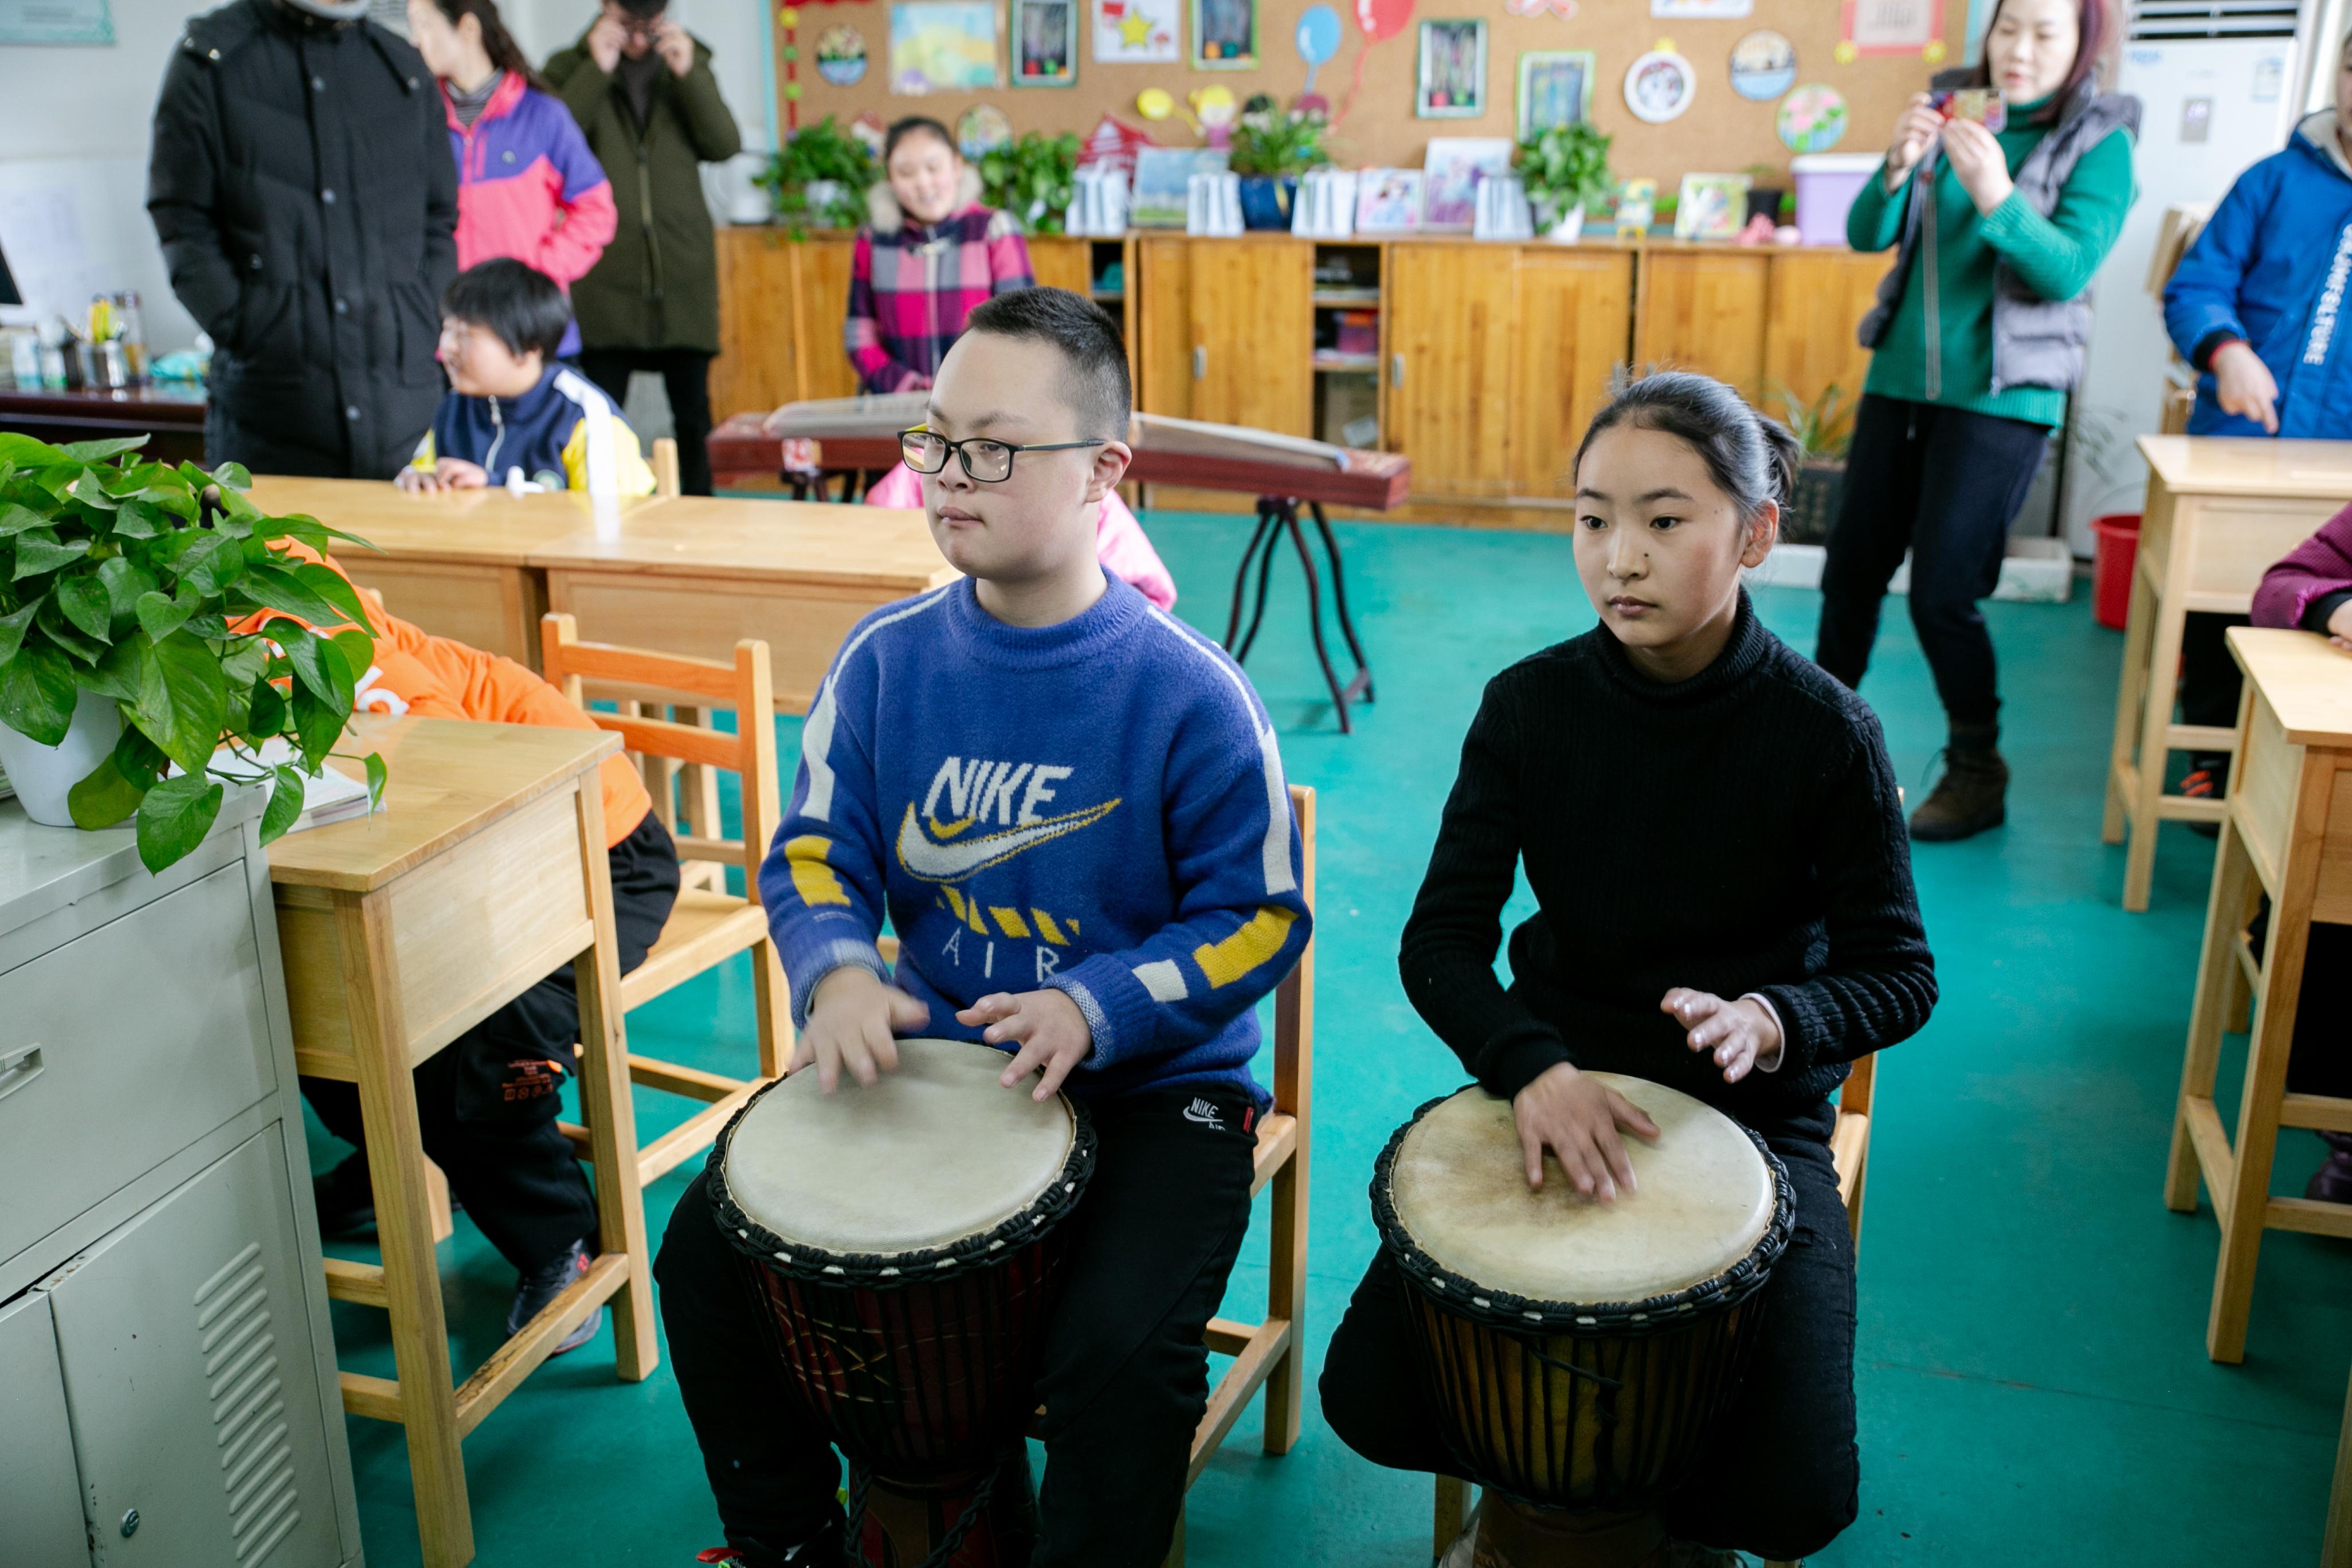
x=1318 y=42
x=1380 y=19
x=1154 y=104
x=1563 y=9
x=1763 y=66
x=841 y=56
x=1812 y=118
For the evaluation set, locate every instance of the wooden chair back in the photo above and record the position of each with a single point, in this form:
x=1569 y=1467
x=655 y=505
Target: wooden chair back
x=665 y=465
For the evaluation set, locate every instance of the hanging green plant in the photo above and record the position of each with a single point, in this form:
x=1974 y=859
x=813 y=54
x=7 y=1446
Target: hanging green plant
x=125 y=579
x=1035 y=178
x=1271 y=141
x=819 y=178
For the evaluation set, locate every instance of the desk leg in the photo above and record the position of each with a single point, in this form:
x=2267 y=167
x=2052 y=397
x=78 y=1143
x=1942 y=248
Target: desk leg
x=605 y=1097
x=412 y=1275
x=2156 y=719
x=1362 y=686
x=1259 y=538
x=2216 y=977
x=2131 y=689
x=2246 y=1206
x=1288 y=517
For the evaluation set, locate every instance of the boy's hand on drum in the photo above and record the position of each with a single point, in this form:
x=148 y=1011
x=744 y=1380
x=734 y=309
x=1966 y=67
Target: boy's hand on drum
x=1742 y=1034
x=1578 y=1118
x=852 y=1021
x=1052 y=1032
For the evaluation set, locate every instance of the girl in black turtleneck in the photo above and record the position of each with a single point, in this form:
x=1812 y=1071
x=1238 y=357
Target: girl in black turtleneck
x=1711 y=829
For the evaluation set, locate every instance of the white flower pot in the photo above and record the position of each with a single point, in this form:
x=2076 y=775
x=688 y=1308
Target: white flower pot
x=1569 y=228
x=822 y=194
x=43 y=774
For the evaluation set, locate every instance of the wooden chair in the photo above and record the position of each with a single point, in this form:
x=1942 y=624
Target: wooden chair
x=1849 y=1151
x=665 y=465
x=708 y=925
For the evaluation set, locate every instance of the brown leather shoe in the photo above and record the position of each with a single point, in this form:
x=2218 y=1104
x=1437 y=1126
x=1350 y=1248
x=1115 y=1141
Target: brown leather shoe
x=1972 y=795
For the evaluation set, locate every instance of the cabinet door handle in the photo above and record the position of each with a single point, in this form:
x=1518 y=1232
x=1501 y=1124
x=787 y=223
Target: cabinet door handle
x=1200 y=362
x=18 y=1069
x=1396 y=370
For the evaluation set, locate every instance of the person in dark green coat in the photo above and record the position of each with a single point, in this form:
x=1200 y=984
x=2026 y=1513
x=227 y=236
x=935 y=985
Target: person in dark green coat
x=642 y=88
x=1978 y=337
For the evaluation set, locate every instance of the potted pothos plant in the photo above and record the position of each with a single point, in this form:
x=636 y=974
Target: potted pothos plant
x=1272 y=148
x=132 y=682
x=1823 y=428
x=1565 y=170
x=1034 y=177
x=819 y=177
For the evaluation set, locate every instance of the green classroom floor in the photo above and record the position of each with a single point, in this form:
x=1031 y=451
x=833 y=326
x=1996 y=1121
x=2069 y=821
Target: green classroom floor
x=2031 y=1372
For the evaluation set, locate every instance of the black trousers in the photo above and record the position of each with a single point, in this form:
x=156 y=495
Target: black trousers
x=1945 y=484
x=1783 y=1476
x=231 y=439
x=685 y=376
x=486 y=1102
x=2210 y=680
x=1126 y=1375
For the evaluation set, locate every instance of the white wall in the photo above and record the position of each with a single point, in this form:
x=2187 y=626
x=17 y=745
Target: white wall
x=74 y=127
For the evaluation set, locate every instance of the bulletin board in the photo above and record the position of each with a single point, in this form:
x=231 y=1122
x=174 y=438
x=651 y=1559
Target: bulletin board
x=1720 y=132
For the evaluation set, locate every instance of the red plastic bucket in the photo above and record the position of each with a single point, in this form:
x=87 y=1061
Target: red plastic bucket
x=2113 y=554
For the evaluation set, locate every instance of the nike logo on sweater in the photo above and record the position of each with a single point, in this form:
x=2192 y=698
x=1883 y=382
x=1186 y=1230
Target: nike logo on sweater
x=935 y=862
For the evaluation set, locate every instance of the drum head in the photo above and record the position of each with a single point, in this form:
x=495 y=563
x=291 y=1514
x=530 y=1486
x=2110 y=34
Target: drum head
x=931 y=1154
x=1459 y=1188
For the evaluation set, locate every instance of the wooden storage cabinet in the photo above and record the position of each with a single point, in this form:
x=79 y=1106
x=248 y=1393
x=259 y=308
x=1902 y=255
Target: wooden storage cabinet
x=166 y=1368
x=1572 y=330
x=1226 y=331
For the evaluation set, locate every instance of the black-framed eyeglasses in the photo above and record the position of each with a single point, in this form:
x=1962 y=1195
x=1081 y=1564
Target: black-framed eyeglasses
x=990 y=462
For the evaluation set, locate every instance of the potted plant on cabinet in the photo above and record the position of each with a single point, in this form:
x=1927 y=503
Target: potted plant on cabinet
x=125 y=688
x=1271 y=148
x=1565 y=169
x=1824 y=429
x=1034 y=177
x=1768 y=190
x=818 y=179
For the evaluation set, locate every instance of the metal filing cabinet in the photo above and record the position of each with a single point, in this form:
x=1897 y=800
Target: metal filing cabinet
x=168 y=1393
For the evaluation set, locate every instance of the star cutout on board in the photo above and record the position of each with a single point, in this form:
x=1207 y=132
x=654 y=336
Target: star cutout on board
x=1136 y=30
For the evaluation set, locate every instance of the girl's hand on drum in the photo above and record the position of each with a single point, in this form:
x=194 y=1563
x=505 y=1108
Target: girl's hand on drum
x=853 y=1019
x=1052 y=1035
x=1577 y=1118
x=1742 y=1034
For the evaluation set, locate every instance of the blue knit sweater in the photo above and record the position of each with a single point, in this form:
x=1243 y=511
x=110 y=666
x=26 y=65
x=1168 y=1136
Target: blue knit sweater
x=1096 y=807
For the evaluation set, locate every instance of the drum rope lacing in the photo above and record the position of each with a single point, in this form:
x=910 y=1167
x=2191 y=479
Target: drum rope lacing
x=861 y=1478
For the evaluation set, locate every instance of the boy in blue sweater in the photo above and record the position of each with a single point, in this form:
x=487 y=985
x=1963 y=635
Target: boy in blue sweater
x=1071 y=809
x=515 y=414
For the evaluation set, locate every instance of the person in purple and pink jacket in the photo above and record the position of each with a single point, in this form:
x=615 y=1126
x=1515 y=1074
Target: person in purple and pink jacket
x=527 y=187
x=2312 y=590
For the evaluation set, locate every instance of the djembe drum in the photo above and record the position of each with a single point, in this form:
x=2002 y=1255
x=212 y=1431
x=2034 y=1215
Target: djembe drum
x=1580 y=1353
x=904 y=1241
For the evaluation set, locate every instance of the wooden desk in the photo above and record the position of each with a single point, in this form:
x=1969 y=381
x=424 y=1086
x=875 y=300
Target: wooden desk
x=485 y=872
x=2287 y=833
x=455 y=563
x=693 y=574
x=2220 y=510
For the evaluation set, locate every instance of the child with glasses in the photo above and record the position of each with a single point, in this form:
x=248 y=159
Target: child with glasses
x=1071 y=810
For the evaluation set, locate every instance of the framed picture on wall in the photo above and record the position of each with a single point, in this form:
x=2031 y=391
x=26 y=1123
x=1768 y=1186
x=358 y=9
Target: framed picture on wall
x=1555 y=88
x=1388 y=201
x=1224 y=34
x=1451 y=170
x=1711 y=206
x=1451 y=81
x=1044 y=43
x=1137 y=32
x=942 y=46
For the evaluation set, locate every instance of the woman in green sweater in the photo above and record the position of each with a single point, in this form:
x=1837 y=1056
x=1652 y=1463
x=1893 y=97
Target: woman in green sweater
x=1979 y=331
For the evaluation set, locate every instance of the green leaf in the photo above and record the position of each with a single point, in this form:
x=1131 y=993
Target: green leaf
x=90 y=489
x=138 y=519
x=317 y=727
x=247 y=661
x=194 y=703
x=233 y=477
x=12 y=628
x=40 y=549
x=98 y=451
x=309 y=530
x=174 y=818
x=211 y=562
x=26 y=452
x=358 y=650
x=272 y=586
x=265 y=711
x=103 y=798
x=52 y=623
x=377 y=773
x=336 y=589
x=285 y=803
x=318 y=666
x=17 y=517
x=84 y=602
x=38 y=693
x=139 y=758
x=122 y=673
x=160 y=617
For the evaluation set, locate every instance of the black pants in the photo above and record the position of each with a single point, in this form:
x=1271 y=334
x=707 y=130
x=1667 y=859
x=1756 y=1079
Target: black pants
x=685 y=376
x=1125 y=1376
x=486 y=1102
x=1945 y=484
x=263 y=450
x=1783 y=1477
x=2208 y=676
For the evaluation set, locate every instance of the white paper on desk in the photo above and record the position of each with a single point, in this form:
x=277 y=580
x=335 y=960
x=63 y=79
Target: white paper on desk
x=328 y=797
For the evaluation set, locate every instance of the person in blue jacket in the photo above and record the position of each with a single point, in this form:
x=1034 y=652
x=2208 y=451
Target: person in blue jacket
x=2258 y=306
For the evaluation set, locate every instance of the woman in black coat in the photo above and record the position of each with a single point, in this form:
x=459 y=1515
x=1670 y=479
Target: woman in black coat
x=302 y=186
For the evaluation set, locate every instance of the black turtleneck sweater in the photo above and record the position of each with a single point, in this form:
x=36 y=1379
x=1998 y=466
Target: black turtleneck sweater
x=1736 y=832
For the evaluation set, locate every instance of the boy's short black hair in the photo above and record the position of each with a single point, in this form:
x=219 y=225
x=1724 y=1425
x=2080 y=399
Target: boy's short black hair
x=516 y=301
x=1097 y=387
x=645 y=10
